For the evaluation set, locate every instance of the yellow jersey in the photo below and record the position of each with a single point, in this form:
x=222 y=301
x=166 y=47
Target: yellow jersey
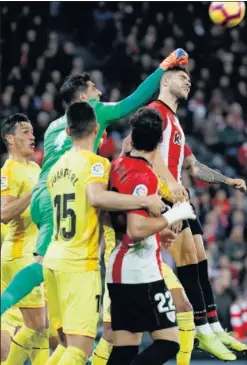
x=110 y=242
x=17 y=179
x=164 y=190
x=76 y=234
x=4 y=230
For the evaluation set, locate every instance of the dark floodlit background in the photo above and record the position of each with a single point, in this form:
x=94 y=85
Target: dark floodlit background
x=120 y=44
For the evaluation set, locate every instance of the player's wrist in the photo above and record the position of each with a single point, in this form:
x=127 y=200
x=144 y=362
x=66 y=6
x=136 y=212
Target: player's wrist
x=164 y=65
x=229 y=181
x=166 y=222
x=170 y=217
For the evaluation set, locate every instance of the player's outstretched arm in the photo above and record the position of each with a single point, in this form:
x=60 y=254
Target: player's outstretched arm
x=100 y=198
x=112 y=112
x=12 y=207
x=204 y=173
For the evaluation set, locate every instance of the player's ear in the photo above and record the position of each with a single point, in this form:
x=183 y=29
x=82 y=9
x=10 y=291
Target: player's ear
x=164 y=81
x=9 y=138
x=96 y=128
x=68 y=131
x=82 y=97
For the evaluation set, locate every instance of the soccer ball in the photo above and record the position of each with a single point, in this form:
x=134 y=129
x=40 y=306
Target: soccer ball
x=226 y=13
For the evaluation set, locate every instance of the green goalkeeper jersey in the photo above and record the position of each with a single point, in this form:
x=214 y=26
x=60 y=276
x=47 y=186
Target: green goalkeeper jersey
x=56 y=141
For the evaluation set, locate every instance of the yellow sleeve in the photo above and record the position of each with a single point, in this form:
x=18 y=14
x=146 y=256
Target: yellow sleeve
x=99 y=170
x=4 y=229
x=164 y=190
x=10 y=181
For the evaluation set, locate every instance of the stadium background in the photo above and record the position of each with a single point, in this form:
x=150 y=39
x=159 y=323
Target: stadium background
x=120 y=44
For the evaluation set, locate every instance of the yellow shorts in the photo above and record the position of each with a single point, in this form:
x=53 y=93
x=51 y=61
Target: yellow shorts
x=106 y=306
x=9 y=269
x=74 y=300
x=54 y=323
x=170 y=278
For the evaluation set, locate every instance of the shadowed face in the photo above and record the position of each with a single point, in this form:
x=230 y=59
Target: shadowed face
x=178 y=84
x=92 y=92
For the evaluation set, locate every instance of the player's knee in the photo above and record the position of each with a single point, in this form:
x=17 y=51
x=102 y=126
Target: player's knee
x=184 y=306
x=41 y=325
x=37 y=326
x=107 y=332
x=201 y=256
x=37 y=322
x=181 y=301
x=5 y=345
x=188 y=255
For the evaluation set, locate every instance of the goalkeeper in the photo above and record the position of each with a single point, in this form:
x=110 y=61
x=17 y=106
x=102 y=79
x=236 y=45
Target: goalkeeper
x=56 y=143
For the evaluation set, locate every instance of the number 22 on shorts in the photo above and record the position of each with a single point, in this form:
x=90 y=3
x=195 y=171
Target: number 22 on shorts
x=165 y=305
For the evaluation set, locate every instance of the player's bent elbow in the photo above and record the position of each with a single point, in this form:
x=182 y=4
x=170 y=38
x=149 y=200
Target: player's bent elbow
x=4 y=218
x=95 y=201
x=135 y=233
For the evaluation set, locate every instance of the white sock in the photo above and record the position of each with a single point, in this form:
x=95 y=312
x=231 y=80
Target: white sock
x=204 y=329
x=216 y=327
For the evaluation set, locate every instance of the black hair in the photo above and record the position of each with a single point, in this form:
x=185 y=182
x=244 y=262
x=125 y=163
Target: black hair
x=177 y=68
x=147 y=128
x=9 y=125
x=81 y=119
x=73 y=85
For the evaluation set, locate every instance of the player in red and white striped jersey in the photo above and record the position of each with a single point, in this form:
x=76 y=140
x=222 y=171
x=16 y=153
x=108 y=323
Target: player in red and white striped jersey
x=173 y=142
x=188 y=250
x=140 y=300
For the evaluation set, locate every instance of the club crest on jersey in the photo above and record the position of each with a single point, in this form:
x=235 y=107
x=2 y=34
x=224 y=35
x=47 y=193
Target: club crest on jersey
x=4 y=182
x=97 y=170
x=141 y=190
x=171 y=316
x=177 y=139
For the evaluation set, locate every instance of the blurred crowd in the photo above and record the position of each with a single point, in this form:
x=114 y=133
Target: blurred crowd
x=120 y=44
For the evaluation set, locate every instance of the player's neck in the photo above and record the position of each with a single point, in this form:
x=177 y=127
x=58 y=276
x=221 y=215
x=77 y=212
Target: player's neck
x=149 y=156
x=169 y=100
x=83 y=144
x=18 y=157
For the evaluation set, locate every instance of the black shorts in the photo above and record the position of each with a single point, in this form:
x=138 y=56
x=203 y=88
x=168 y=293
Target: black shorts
x=194 y=225
x=141 y=307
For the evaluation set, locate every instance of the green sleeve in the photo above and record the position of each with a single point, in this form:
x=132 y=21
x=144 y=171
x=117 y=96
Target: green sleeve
x=109 y=112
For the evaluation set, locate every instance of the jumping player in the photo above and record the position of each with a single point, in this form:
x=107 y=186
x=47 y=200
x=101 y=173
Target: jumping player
x=187 y=251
